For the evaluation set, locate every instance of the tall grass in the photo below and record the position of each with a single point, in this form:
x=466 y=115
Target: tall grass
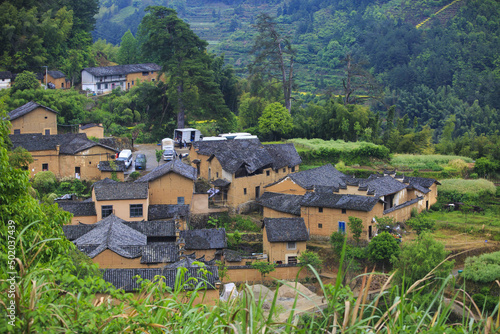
x=470 y=187
x=411 y=161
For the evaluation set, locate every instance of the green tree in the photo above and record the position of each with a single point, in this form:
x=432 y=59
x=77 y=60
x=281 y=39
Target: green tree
x=356 y=227
x=275 y=121
x=45 y=182
x=25 y=80
x=419 y=258
x=274 y=56
x=337 y=240
x=128 y=52
x=167 y=40
x=421 y=224
x=264 y=267
x=20 y=158
x=310 y=258
x=159 y=155
x=383 y=248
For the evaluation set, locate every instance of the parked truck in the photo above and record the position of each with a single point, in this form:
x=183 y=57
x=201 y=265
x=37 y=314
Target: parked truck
x=186 y=136
x=167 y=144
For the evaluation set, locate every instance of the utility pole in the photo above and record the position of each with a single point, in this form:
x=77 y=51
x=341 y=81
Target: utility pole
x=45 y=77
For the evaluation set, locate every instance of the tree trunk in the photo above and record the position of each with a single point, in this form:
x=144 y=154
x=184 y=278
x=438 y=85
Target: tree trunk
x=181 y=112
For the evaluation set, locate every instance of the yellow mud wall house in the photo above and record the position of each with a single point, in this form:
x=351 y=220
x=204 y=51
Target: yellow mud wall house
x=327 y=198
x=66 y=155
x=240 y=168
x=126 y=200
x=56 y=80
x=170 y=183
x=33 y=118
x=284 y=239
x=104 y=79
x=92 y=130
x=112 y=169
x=83 y=212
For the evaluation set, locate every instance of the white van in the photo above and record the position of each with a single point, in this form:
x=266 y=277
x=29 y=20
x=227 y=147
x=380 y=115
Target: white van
x=126 y=157
x=167 y=144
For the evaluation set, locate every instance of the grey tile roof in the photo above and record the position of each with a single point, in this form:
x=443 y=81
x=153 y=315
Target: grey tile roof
x=232 y=256
x=173 y=166
x=382 y=186
x=5 y=75
x=250 y=153
x=220 y=183
x=120 y=190
x=70 y=143
x=105 y=166
x=153 y=228
x=204 y=238
x=125 y=278
x=424 y=182
x=285 y=229
x=167 y=211
x=161 y=252
x=284 y=155
x=88 y=126
x=73 y=232
x=56 y=74
x=78 y=208
x=336 y=201
x=281 y=202
x=326 y=175
x=111 y=233
x=122 y=69
x=26 y=108
x=405 y=204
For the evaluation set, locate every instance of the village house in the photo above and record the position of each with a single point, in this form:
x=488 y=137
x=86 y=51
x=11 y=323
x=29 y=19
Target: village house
x=92 y=130
x=66 y=155
x=55 y=80
x=327 y=198
x=112 y=169
x=284 y=239
x=5 y=79
x=105 y=79
x=83 y=211
x=205 y=243
x=240 y=168
x=33 y=118
x=170 y=183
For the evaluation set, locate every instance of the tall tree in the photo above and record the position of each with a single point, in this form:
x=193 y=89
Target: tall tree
x=127 y=53
x=274 y=56
x=168 y=41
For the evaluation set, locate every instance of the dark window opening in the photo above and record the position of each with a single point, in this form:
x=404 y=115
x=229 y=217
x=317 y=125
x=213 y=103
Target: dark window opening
x=320 y=225
x=389 y=201
x=292 y=260
x=370 y=232
x=284 y=170
x=62 y=85
x=45 y=167
x=217 y=174
x=244 y=191
x=105 y=86
x=145 y=73
x=180 y=200
x=320 y=209
x=257 y=192
x=47 y=132
x=198 y=170
x=344 y=211
x=291 y=245
x=242 y=172
x=106 y=210
x=77 y=170
x=17 y=131
x=293 y=169
x=135 y=210
x=426 y=205
x=267 y=173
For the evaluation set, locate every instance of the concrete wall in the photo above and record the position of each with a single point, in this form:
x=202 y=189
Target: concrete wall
x=278 y=251
x=109 y=259
x=36 y=121
x=121 y=208
x=167 y=188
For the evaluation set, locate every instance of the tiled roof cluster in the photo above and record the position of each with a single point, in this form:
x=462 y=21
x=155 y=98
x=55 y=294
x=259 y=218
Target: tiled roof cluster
x=105 y=166
x=174 y=166
x=167 y=211
x=285 y=229
x=107 y=189
x=325 y=176
x=78 y=208
x=405 y=204
x=154 y=228
x=69 y=143
x=382 y=186
x=73 y=232
x=281 y=202
x=160 y=252
x=421 y=184
x=90 y=125
x=122 y=69
x=26 y=108
x=125 y=278
x=250 y=153
x=336 y=201
x=204 y=238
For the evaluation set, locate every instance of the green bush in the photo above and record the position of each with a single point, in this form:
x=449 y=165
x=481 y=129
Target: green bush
x=382 y=248
x=45 y=182
x=482 y=269
x=245 y=224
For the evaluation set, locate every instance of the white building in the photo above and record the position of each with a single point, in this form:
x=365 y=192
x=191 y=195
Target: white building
x=5 y=79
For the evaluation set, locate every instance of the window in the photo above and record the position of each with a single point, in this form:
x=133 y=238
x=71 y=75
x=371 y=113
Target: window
x=320 y=225
x=291 y=245
x=105 y=86
x=99 y=86
x=180 y=200
x=132 y=82
x=267 y=173
x=342 y=227
x=135 y=210
x=17 y=131
x=257 y=192
x=77 y=170
x=145 y=73
x=45 y=167
x=244 y=191
x=284 y=170
x=320 y=209
x=152 y=79
x=217 y=174
x=46 y=117
x=293 y=169
x=292 y=260
x=62 y=85
x=344 y=211
x=47 y=132
x=106 y=210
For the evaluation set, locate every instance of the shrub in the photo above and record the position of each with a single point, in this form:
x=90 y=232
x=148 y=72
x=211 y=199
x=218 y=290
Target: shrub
x=135 y=175
x=245 y=224
x=474 y=176
x=421 y=224
x=382 y=248
x=310 y=258
x=264 y=267
x=337 y=242
x=45 y=182
x=356 y=227
x=482 y=269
